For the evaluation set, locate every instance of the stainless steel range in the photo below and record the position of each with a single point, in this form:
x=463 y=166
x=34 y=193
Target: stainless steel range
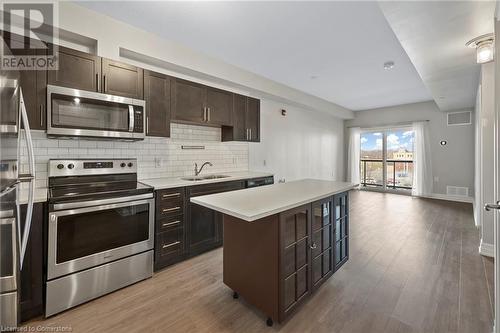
x=100 y=230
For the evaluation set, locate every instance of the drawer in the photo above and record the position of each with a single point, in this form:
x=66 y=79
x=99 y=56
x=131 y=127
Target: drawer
x=170 y=243
x=169 y=208
x=169 y=195
x=169 y=223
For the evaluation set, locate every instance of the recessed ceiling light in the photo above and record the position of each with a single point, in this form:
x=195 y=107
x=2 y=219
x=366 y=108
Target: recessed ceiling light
x=388 y=65
x=484 y=48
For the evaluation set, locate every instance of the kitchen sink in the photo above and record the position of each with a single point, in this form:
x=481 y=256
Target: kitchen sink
x=193 y=179
x=214 y=176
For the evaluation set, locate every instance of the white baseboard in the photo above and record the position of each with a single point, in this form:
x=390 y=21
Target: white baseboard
x=440 y=196
x=486 y=249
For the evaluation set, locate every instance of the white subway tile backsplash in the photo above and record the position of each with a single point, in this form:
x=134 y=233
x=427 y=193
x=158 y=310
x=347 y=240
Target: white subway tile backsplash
x=156 y=157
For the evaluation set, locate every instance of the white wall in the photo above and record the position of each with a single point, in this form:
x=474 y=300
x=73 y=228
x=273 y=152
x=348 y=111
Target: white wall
x=452 y=164
x=300 y=145
x=485 y=157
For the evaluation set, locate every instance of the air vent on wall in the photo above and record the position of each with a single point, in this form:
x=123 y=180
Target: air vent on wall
x=459 y=118
x=457 y=191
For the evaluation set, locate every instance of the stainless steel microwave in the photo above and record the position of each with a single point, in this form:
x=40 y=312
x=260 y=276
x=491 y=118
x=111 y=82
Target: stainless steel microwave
x=80 y=113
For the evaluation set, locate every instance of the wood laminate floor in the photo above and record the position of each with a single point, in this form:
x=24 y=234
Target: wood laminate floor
x=414 y=267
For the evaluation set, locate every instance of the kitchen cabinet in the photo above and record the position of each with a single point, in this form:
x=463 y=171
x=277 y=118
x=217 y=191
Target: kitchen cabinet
x=157 y=93
x=34 y=86
x=89 y=72
x=77 y=70
x=295 y=258
x=31 y=277
x=189 y=102
x=169 y=227
x=322 y=241
x=122 y=79
x=219 y=104
x=199 y=104
x=204 y=225
x=341 y=213
x=245 y=120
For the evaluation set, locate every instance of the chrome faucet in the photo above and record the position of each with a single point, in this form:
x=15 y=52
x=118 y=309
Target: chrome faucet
x=196 y=171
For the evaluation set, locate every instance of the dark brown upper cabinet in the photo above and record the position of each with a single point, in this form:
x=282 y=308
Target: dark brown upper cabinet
x=77 y=70
x=33 y=84
x=199 y=104
x=245 y=120
x=122 y=79
x=157 y=92
x=189 y=102
x=219 y=104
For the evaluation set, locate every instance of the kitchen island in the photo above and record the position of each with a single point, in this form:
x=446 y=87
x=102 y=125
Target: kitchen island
x=282 y=241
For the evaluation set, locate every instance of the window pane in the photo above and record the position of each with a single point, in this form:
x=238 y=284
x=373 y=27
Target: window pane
x=400 y=159
x=372 y=159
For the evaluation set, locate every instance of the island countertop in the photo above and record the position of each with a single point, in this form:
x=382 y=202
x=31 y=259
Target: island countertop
x=255 y=203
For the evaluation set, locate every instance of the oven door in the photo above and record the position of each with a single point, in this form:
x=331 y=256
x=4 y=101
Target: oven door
x=8 y=259
x=73 y=112
x=86 y=237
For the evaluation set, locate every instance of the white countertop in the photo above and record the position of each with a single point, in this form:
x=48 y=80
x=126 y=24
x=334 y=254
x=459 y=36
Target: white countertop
x=163 y=183
x=255 y=203
x=40 y=195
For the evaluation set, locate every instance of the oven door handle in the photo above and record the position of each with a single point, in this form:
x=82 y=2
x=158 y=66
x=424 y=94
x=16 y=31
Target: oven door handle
x=123 y=201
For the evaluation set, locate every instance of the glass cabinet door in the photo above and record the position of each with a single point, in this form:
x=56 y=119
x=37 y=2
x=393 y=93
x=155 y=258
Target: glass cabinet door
x=322 y=240
x=341 y=229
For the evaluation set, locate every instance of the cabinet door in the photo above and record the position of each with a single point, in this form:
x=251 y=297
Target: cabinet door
x=157 y=95
x=239 y=118
x=204 y=225
x=220 y=106
x=32 y=272
x=77 y=70
x=122 y=79
x=34 y=86
x=322 y=241
x=188 y=102
x=295 y=253
x=341 y=229
x=253 y=119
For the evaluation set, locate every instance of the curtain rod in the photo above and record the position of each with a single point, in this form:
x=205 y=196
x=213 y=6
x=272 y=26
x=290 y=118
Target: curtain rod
x=389 y=125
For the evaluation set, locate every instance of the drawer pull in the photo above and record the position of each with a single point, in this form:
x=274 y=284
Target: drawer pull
x=166 y=210
x=171 y=244
x=171 y=195
x=171 y=223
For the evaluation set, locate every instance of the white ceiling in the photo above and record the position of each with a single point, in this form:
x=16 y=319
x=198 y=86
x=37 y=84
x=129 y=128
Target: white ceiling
x=433 y=34
x=342 y=44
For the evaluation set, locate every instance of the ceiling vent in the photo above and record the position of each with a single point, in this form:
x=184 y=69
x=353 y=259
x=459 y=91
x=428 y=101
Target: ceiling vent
x=459 y=118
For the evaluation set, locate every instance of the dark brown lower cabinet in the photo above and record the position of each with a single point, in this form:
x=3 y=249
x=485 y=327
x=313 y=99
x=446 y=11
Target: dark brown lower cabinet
x=32 y=272
x=204 y=225
x=277 y=262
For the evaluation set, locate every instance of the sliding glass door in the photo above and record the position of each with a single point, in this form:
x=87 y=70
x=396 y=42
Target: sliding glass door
x=386 y=159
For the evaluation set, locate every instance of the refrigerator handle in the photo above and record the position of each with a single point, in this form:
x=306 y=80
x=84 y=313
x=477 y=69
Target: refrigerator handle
x=23 y=241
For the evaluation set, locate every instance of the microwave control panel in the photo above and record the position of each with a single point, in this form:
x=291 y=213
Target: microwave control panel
x=138 y=120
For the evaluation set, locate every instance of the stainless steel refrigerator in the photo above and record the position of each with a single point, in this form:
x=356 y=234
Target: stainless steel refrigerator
x=13 y=240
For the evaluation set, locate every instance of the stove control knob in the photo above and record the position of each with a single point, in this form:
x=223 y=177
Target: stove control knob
x=71 y=166
x=130 y=164
x=122 y=165
x=60 y=166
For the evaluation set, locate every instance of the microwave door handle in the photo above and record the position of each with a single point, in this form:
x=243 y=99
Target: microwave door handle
x=130 y=118
x=26 y=178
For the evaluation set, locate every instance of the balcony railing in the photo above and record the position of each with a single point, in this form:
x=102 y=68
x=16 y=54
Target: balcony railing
x=399 y=173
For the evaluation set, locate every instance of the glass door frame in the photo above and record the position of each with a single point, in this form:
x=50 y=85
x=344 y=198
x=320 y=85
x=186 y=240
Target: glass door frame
x=384 y=187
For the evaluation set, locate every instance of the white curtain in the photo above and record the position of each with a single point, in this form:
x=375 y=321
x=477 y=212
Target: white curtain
x=353 y=154
x=422 y=167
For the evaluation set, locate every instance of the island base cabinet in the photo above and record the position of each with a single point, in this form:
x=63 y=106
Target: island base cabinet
x=275 y=263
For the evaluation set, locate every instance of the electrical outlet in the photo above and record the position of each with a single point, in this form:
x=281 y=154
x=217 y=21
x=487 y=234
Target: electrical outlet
x=158 y=162
x=234 y=160
x=264 y=163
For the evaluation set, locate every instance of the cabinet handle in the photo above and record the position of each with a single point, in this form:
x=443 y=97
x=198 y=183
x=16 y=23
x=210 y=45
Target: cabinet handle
x=171 y=223
x=166 y=210
x=104 y=83
x=147 y=125
x=204 y=114
x=97 y=81
x=208 y=117
x=250 y=131
x=41 y=115
x=313 y=246
x=171 y=195
x=171 y=244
